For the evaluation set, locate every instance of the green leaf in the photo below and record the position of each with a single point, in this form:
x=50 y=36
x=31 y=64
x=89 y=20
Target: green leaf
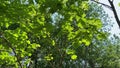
x=80 y=25
x=53 y=43
x=28 y=41
x=49 y=57
x=74 y=57
x=70 y=51
x=35 y=45
x=16 y=35
x=64 y=1
x=86 y=42
x=84 y=5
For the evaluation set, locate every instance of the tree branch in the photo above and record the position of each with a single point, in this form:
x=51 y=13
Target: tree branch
x=112 y=0
x=115 y=13
x=10 y=46
x=112 y=7
x=103 y=4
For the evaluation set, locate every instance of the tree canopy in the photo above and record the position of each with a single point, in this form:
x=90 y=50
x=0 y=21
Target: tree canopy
x=53 y=34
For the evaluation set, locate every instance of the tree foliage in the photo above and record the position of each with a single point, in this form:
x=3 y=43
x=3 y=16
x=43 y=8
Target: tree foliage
x=47 y=33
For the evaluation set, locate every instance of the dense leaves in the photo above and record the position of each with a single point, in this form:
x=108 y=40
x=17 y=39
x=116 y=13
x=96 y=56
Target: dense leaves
x=47 y=33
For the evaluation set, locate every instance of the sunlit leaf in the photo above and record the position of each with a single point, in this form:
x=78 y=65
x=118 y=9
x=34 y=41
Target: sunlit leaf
x=70 y=51
x=73 y=57
x=53 y=42
x=86 y=42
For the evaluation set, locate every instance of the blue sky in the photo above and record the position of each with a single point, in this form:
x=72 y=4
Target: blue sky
x=115 y=29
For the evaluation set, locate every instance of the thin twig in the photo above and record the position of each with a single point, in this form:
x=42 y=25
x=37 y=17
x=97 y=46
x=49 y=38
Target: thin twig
x=103 y=4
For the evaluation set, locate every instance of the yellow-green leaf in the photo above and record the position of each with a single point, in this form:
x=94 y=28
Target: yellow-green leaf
x=53 y=43
x=74 y=57
x=86 y=42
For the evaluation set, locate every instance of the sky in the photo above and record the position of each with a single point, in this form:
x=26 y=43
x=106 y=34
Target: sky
x=115 y=29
